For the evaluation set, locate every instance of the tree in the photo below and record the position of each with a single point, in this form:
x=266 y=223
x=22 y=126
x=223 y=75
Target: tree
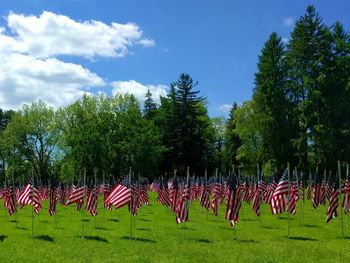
x=272 y=109
x=32 y=136
x=149 y=106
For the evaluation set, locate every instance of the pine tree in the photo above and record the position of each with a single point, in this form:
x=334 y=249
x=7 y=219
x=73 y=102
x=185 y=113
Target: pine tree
x=149 y=106
x=271 y=105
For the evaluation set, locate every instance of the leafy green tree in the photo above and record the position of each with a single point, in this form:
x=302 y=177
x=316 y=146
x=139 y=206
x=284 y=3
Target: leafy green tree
x=149 y=106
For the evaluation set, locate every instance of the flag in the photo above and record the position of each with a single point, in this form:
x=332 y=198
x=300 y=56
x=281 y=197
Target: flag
x=183 y=204
x=204 y=195
x=92 y=200
x=333 y=204
x=309 y=188
x=120 y=195
x=163 y=194
x=9 y=195
x=53 y=199
x=279 y=197
x=30 y=196
x=346 y=199
x=234 y=200
x=293 y=195
x=258 y=197
x=173 y=193
x=316 y=192
x=76 y=196
x=216 y=197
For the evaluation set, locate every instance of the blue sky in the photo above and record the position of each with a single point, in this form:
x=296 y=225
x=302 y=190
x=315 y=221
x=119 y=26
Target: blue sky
x=217 y=42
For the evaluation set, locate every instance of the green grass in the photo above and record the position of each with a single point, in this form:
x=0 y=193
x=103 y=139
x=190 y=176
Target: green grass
x=158 y=238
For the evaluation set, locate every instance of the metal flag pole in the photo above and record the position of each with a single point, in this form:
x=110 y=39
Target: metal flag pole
x=130 y=204
x=97 y=197
x=205 y=188
x=31 y=196
x=346 y=197
x=341 y=213
x=302 y=204
x=258 y=178
x=186 y=201
x=288 y=199
x=83 y=224
x=5 y=217
x=14 y=193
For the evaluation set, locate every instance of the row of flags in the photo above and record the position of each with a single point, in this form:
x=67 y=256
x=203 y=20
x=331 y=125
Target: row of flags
x=177 y=193
x=123 y=193
x=281 y=196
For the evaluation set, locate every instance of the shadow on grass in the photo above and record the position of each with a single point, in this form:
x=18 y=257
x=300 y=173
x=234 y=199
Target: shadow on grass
x=145 y=220
x=270 y=227
x=13 y=221
x=284 y=218
x=22 y=228
x=144 y=229
x=44 y=238
x=139 y=239
x=248 y=241
x=303 y=238
x=203 y=240
x=188 y=228
x=114 y=220
x=102 y=228
x=2 y=238
x=311 y=226
x=85 y=220
x=96 y=238
x=59 y=228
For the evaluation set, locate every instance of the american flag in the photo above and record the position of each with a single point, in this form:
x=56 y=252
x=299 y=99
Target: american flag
x=309 y=188
x=279 y=197
x=322 y=198
x=346 y=199
x=163 y=194
x=9 y=196
x=316 y=192
x=216 y=197
x=334 y=202
x=120 y=195
x=134 y=204
x=76 y=196
x=53 y=199
x=258 y=198
x=294 y=195
x=183 y=203
x=173 y=194
x=30 y=196
x=234 y=200
x=204 y=195
x=92 y=200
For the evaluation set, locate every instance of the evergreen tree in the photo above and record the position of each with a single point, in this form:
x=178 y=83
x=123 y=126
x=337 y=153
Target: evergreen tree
x=149 y=106
x=271 y=105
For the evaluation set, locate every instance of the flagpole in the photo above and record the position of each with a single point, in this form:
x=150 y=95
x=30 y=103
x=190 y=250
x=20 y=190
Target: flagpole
x=186 y=204
x=32 y=195
x=97 y=197
x=205 y=189
x=302 y=205
x=341 y=213
x=83 y=225
x=14 y=193
x=257 y=192
x=288 y=199
x=5 y=217
x=346 y=197
x=130 y=203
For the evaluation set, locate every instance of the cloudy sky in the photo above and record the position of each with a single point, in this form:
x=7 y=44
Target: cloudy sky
x=58 y=50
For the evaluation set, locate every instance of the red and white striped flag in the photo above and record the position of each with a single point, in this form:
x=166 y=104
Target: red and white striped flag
x=92 y=201
x=120 y=195
x=279 y=197
x=30 y=196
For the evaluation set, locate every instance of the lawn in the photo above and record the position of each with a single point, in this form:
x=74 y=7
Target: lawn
x=157 y=238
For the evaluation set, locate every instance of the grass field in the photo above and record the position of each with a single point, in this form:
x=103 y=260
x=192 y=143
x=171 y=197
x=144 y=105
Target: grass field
x=159 y=239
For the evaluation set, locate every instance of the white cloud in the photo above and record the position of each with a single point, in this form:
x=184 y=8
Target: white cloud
x=139 y=90
x=288 y=21
x=285 y=40
x=29 y=46
x=51 y=34
x=24 y=79
x=225 y=108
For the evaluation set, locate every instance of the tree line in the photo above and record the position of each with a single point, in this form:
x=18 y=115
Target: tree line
x=299 y=113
